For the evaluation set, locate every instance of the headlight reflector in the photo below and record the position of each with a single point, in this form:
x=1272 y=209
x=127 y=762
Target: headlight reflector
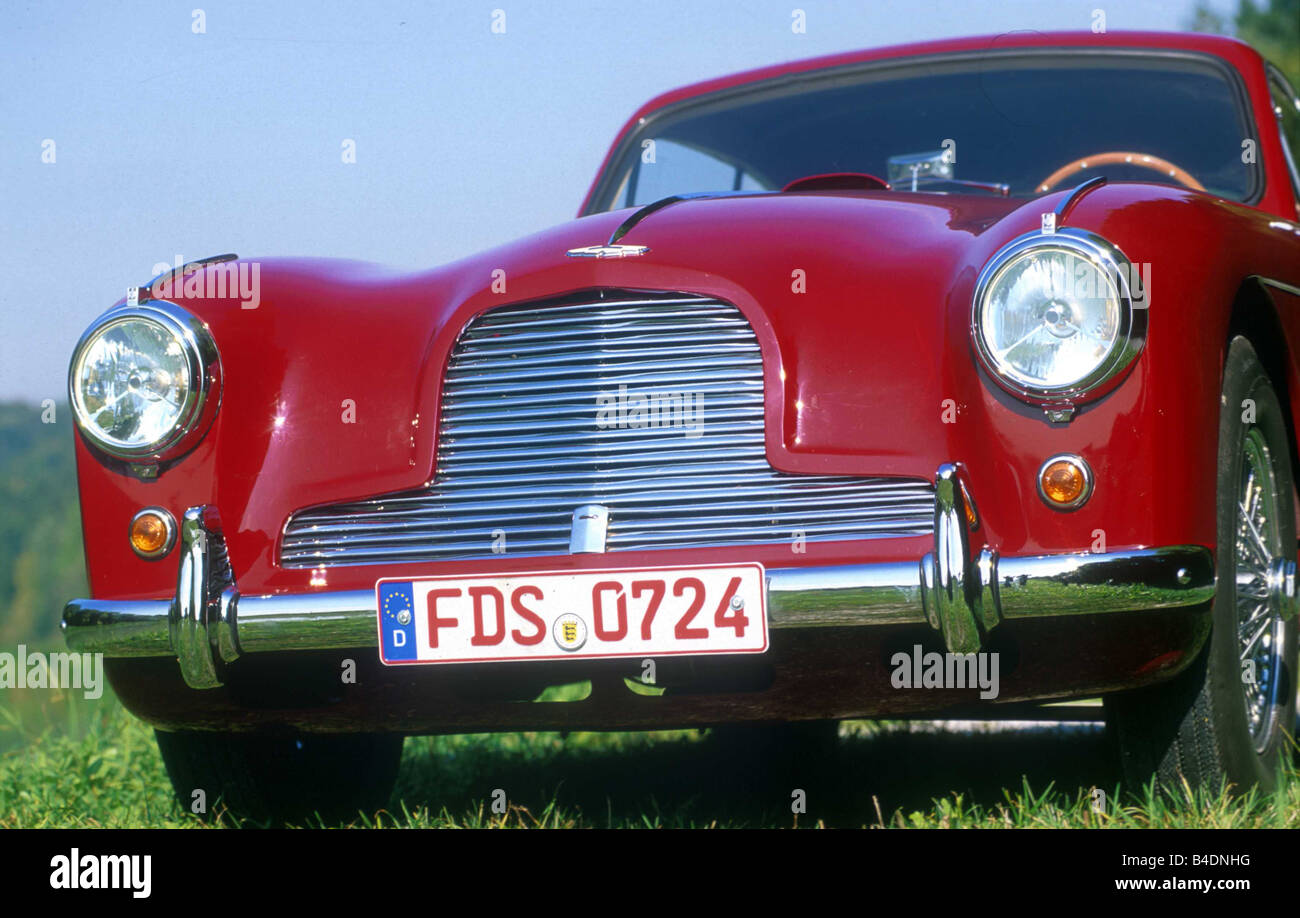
x=1053 y=315
x=139 y=379
x=133 y=381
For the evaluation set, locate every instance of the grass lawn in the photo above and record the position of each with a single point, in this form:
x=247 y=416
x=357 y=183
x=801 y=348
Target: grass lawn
x=72 y=763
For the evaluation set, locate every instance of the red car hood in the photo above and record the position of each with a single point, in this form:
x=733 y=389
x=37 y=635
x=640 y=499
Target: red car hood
x=756 y=240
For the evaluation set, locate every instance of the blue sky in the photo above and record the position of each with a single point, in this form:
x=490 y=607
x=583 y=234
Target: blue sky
x=168 y=142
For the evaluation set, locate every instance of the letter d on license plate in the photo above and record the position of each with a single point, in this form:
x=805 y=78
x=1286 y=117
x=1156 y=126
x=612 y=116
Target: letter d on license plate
x=558 y=615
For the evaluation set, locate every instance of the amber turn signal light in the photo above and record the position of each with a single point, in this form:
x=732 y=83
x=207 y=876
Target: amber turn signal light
x=153 y=533
x=1065 y=482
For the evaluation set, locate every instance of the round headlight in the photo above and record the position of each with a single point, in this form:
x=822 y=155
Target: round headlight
x=1054 y=317
x=139 y=379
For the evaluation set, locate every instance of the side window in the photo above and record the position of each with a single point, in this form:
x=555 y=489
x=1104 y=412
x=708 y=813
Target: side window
x=670 y=168
x=1284 y=106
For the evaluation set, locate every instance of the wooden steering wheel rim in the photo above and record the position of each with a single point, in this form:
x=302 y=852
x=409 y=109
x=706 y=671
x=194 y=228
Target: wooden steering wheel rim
x=1120 y=157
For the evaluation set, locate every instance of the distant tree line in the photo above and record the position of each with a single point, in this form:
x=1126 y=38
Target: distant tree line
x=41 y=558
x=1272 y=29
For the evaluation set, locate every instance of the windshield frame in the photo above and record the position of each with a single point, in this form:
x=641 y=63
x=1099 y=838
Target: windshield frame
x=610 y=180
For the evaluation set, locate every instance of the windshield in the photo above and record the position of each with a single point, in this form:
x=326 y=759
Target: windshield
x=973 y=125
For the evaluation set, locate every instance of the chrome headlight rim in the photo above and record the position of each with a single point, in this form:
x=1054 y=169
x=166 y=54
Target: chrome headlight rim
x=1131 y=334
x=203 y=363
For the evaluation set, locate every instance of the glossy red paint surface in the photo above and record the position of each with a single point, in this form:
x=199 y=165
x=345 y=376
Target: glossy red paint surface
x=858 y=369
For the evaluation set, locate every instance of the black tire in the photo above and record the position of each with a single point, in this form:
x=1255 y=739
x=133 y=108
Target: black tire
x=282 y=778
x=1196 y=727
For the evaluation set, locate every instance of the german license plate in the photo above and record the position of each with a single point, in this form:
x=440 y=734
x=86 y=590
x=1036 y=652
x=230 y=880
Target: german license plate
x=559 y=615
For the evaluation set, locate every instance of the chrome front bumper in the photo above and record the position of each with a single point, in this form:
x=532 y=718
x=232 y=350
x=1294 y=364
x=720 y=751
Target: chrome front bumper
x=961 y=593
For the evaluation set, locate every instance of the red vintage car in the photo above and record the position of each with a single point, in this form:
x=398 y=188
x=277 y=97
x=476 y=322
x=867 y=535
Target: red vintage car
x=943 y=377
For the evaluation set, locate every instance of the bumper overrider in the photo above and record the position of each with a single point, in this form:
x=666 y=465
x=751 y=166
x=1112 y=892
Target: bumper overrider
x=961 y=592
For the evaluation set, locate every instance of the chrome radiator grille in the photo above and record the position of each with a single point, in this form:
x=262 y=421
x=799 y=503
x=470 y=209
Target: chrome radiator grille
x=542 y=412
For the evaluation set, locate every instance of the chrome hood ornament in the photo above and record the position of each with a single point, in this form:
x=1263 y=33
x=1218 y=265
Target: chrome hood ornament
x=608 y=251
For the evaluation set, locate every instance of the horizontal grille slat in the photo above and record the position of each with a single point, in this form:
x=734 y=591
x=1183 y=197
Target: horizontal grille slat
x=608 y=357
x=508 y=419
x=612 y=382
x=632 y=503
x=571 y=342
x=568 y=374
x=576 y=424
x=650 y=314
x=567 y=404
x=651 y=405
x=412 y=524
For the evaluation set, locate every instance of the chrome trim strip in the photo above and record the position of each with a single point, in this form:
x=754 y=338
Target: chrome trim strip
x=1277 y=284
x=1278 y=78
x=1276 y=75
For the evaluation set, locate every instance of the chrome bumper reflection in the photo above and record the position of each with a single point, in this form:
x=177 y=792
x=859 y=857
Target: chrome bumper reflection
x=209 y=624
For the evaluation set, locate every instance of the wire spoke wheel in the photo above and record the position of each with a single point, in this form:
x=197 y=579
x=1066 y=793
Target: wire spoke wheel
x=1223 y=720
x=1258 y=548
